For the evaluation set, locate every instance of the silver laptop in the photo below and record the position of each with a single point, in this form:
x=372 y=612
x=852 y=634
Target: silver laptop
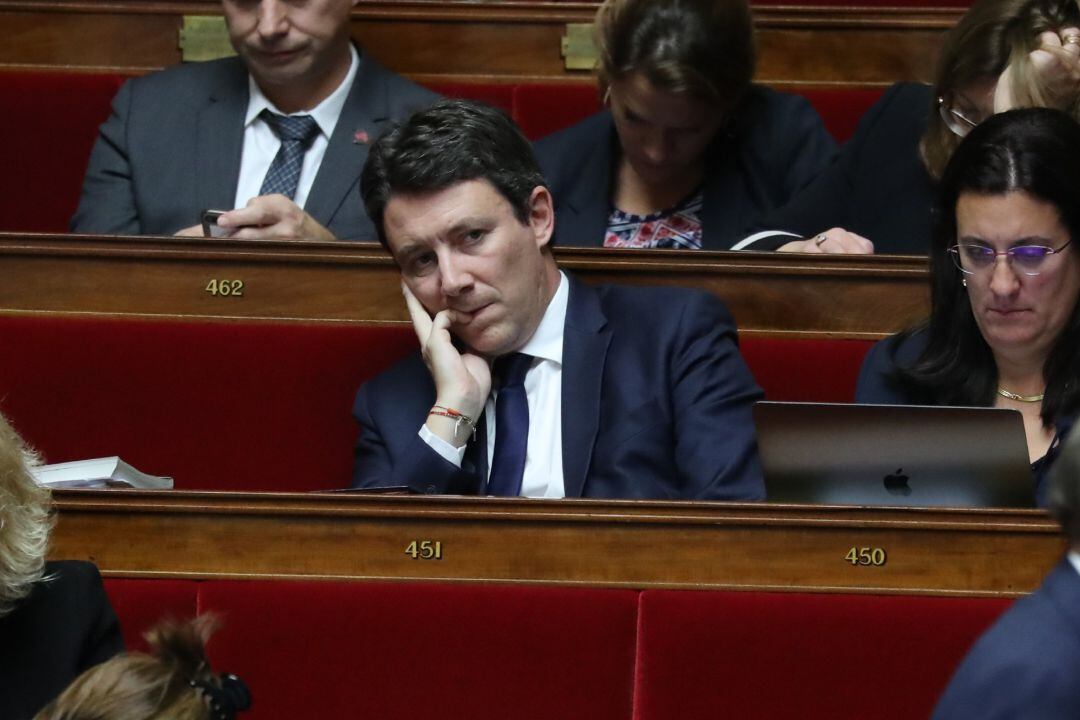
x=827 y=453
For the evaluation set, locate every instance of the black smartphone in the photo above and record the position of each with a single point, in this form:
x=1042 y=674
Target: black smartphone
x=210 y=228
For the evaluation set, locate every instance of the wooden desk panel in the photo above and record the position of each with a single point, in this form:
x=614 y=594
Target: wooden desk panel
x=507 y=40
x=346 y=282
x=598 y=543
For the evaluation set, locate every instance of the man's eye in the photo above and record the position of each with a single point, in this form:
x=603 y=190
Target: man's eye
x=475 y=235
x=421 y=263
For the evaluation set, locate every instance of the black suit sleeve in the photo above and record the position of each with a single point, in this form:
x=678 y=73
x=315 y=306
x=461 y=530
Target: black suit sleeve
x=828 y=201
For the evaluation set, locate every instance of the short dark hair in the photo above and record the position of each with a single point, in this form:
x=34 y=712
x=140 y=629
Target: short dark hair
x=703 y=48
x=451 y=141
x=1034 y=150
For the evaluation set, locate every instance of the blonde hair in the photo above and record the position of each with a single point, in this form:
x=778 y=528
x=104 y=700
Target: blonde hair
x=138 y=686
x=25 y=522
x=992 y=35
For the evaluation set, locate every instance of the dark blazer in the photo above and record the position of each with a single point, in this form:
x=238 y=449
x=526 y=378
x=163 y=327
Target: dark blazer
x=876 y=187
x=172 y=147
x=1026 y=664
x=63 y=627
x=776 y=145
x=656 y=403
x=876 y=386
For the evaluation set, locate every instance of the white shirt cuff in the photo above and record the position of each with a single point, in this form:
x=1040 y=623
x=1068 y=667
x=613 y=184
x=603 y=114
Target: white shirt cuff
x=451 y=454
x=747 y=242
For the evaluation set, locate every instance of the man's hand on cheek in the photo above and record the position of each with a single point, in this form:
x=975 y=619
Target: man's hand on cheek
x=273 y=217
x=462 y=379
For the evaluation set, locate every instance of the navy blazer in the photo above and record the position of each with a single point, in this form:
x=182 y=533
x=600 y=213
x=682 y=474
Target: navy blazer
x=63 y=627
x=656 y=403
x=1027 y=664
x=172 y=147
x=876 y=386
x=877 y=187
x=775 y=146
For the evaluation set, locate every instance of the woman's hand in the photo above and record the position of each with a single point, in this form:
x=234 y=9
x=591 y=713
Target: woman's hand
x=833 y=241
x=1057 y=61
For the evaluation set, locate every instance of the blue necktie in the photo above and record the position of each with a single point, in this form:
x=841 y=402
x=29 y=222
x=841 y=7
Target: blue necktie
x=511 y=425
x=296 y=133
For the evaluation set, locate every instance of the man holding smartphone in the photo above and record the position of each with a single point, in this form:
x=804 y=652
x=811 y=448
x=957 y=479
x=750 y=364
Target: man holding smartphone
x=279 y=133
x=529 y=382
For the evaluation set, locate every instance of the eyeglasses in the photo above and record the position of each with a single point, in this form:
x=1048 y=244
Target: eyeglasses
x=1027 y=259
x=955 y=120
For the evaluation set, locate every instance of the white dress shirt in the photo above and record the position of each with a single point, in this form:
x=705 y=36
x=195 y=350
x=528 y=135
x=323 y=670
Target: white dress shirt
x=261 y=144
x=543 y=391
x=1074 y=560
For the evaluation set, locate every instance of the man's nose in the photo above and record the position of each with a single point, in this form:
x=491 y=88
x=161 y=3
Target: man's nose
x=273 y=19
x=454 y=274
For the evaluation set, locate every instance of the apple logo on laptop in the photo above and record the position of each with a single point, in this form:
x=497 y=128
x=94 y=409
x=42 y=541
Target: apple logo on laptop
x=897 y=483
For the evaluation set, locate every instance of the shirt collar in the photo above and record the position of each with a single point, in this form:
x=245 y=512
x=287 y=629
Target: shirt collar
x=326 y=113
x=547 y=342
x=1074 y=559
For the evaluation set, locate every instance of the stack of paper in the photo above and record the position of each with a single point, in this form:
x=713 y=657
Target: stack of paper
x=97 y=473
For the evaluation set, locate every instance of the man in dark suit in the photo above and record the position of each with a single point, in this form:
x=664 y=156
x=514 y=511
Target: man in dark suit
x=1028 y=663
x=280 y=133
x=568 y=390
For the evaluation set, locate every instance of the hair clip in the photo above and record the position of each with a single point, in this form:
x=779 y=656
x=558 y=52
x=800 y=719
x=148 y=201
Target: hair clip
x=227 y=700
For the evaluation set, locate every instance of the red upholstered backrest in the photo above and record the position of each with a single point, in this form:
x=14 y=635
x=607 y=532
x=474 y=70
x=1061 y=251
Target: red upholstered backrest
x=51 y=121
x=418 y=650
x=221 y=405
x=142 y=604
x=780 y=655
x=805 y=369
x=57 y=116
x=370 y=650
x=841 y=108
x=258 y=406
x=501 y=96
x=541 y=109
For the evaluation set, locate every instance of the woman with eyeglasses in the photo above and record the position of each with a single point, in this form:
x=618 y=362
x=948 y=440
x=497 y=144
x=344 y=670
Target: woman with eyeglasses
x=878 y=195
x=1004 y=326
x=689 y=153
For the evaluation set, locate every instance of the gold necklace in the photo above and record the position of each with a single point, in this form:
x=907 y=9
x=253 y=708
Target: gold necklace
x=1019 y=398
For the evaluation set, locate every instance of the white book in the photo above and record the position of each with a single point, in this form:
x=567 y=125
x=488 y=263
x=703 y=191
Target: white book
x=97 y=473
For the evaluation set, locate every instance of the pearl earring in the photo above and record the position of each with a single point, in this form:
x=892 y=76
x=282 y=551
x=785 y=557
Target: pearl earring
x=963 y=282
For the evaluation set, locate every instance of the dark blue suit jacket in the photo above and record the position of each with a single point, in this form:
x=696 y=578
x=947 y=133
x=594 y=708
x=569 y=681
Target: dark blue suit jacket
x=172 y=147
x=775 y=146
x=656 y=403
x=876 y=187
x=1028 y=664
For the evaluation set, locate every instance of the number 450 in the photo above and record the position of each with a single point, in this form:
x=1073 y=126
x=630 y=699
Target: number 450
x=866 y=556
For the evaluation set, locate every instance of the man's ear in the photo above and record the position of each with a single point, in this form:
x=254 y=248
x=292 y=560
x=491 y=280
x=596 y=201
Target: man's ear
x=541 y=215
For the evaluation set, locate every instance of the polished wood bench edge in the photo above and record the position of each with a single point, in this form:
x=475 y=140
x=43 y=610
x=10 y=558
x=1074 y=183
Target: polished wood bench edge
x=563 y=510
x=608 y=543
x=621 y=260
